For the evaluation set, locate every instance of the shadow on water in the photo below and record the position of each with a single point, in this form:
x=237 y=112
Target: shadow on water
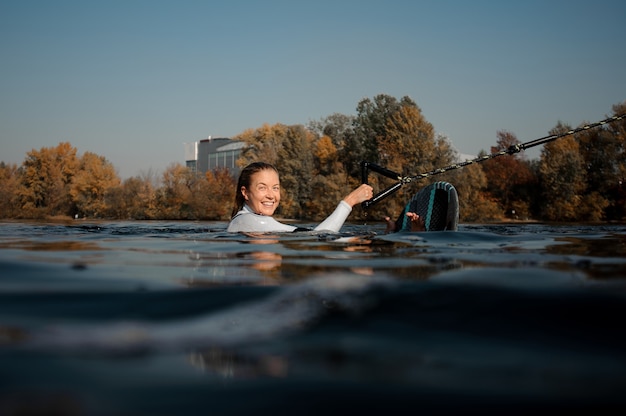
x=184 y=318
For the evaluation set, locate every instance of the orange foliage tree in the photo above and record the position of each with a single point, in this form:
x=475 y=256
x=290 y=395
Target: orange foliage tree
x=9 y=187
x=94 y=178
x=604 y=153
x=617 y=189
x=134 y=199
x=174 y=195
x=563 y=178
x=510 y=179
x=220 y=194
x=475 y=203
x=328 y=184
x=46 y=179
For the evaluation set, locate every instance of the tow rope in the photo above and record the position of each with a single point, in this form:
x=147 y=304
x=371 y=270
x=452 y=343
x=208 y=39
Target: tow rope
x=402 y=180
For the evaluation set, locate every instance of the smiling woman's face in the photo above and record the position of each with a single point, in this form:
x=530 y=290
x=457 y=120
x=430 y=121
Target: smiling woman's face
x=263 y=195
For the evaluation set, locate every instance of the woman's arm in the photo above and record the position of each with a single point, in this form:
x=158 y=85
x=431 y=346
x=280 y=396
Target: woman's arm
x=335 y=221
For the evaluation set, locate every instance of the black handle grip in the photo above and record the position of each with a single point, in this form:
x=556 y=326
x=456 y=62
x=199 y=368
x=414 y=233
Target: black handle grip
x=364 y=171
x=365 y=168
x=383 y=194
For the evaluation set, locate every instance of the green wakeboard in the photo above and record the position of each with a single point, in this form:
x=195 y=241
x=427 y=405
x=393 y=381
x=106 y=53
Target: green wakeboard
x=437 y=204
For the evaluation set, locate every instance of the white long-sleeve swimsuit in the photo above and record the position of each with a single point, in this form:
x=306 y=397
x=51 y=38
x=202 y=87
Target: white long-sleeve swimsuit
x=248 y=221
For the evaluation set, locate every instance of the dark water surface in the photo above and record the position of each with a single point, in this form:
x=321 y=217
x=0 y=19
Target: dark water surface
x=180 y=318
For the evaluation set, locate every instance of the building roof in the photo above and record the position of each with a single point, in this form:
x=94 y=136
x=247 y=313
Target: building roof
x=235 y=145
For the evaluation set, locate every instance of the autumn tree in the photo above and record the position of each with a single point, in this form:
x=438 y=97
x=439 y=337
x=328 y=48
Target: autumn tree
x=210 y=196
x=444 y=152
x=326 y=156
x=408 y=142
x=134 y=199
x=329 y=183
x=510 y=179
x=618 y=130
x=46 y=180
x=9 y=190
x=617 y=187
x=262 y=144
x=603 y=152
x=295 y=164
x=475 y=203
x=94 y=177
x=220 y=194
x=563 y=177
x=186 y=195
x=175 y=194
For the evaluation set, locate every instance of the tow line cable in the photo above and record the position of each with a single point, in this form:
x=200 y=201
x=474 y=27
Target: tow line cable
x=402 y=180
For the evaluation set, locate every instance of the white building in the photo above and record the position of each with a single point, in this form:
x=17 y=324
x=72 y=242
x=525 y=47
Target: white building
x=210 y=154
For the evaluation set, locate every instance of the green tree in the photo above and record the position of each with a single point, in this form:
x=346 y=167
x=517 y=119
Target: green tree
x=370 y=127
x=337 y=127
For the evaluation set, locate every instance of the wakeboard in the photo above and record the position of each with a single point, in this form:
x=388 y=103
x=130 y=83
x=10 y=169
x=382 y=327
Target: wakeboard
x=437 y=204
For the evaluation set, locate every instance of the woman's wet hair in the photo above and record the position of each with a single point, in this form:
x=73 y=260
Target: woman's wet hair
x=244 y=181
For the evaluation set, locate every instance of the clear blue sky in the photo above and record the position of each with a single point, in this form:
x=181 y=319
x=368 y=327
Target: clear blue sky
x=133 y=80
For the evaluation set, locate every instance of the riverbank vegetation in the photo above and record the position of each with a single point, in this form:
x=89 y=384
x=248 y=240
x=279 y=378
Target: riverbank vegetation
x=577 y=178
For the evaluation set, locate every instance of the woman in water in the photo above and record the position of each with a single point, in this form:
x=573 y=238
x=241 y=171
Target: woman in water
x=258 y=195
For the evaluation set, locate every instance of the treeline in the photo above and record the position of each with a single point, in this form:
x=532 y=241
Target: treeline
x=55 y=182
x=577 y=178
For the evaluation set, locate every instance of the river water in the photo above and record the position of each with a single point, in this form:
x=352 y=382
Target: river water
x=183 y=318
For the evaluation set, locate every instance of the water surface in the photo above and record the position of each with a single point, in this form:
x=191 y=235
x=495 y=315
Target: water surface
x=155 y=318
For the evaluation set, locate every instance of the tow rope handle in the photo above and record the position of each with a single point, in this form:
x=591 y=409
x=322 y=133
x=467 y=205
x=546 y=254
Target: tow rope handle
x=365 y=168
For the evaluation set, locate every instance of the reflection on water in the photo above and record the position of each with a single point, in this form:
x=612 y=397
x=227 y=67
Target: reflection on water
x=233 y=365
x=206 y=256
x=60 y=246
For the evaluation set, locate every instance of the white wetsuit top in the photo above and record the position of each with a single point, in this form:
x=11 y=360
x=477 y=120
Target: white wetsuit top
x=248 y=221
